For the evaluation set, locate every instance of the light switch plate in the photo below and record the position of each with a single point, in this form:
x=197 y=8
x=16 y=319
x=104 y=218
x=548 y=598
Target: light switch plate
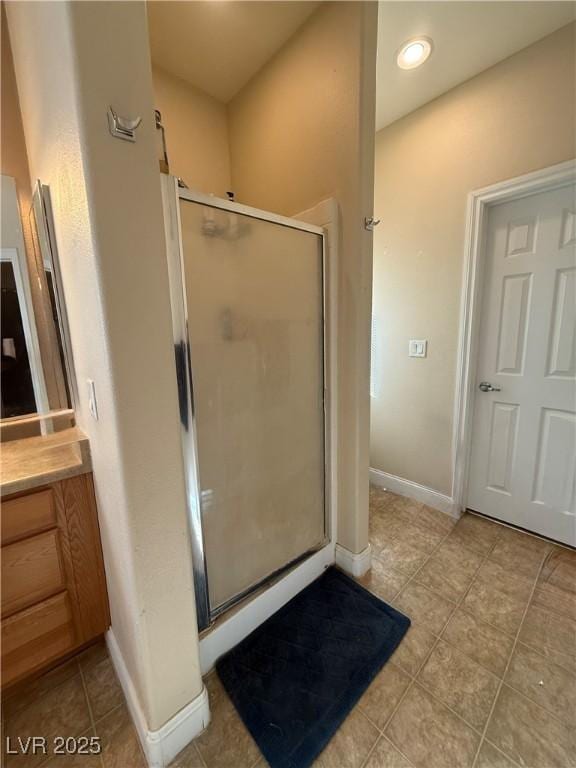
x=417 y=347
x=92 y=403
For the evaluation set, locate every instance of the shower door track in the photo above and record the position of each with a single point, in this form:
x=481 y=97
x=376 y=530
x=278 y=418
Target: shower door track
x=231 y=602
x=172 y=194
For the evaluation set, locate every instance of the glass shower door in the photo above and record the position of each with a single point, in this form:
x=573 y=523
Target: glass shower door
x=254 y=294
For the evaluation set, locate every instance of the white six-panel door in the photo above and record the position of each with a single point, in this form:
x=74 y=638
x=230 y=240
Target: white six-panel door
x=523 y=449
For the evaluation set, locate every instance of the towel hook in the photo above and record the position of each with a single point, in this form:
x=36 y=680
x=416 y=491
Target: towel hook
x=122 y=127
x=370 y=223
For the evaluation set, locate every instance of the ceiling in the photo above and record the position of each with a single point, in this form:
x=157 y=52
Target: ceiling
x=219 y=45
x=468 y=37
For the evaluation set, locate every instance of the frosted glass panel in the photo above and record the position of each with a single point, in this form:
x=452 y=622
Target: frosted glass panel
x=254 y=295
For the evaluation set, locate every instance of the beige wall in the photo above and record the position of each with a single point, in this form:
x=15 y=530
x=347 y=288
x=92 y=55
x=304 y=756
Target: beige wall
x=196 y=134
x=514 y=118
x=13 y=157
x=72 y=60
x=302 y=131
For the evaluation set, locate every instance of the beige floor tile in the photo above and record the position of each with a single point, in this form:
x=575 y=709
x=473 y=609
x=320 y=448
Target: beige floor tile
x=120 y=745
x=189 y=758
x=490 y=757
x=554 y=598
x=545 y=683
x=350 y=745
x=520 y=553
x=384 y=693
x=429 y=735
x=488 y=646
x=93 y=655
x=476 y=533
x=71 y=760
x=383 y=529
x=419 y=537
x=383 y=580
x=551 y=634
x=381 y=498
x=435 y=520
x=402 y=556
x=406 y=506
x=450 y=570
x=26 y=693
x=414 y=648
x=498 y=597
x=385 y=755
x=226 y=743
x=461 y=683
x=533 y=725
x=528 y=734
x=560 y=568
x=215 y=689
x=556 y=587
x=404 y=513
x=103 y=688
x=61 y=711
x=424 y=607
x=525 y=541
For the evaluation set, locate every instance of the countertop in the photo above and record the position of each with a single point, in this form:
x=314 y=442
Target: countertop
x=36 y=461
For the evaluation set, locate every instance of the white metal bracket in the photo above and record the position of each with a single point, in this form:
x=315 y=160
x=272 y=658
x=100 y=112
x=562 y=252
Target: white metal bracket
x=122 y=127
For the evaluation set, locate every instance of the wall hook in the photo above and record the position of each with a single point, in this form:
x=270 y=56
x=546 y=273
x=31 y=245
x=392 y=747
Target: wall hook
x=122 y=127
x=370 y=223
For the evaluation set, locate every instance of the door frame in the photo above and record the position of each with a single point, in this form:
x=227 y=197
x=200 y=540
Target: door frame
x=479 y=202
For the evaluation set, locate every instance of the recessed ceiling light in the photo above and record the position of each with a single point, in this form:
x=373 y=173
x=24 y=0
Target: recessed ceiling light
x=414 y=53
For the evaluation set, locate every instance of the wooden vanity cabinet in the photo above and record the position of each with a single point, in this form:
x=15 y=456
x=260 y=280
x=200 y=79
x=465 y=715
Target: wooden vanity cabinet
x=54 y=597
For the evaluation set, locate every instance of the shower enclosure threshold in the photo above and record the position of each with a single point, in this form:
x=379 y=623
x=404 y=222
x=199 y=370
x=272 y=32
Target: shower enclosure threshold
x=238 y=601
x=246 y=614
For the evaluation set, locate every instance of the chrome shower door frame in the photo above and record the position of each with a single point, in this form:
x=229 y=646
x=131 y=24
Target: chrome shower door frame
x=171 y=195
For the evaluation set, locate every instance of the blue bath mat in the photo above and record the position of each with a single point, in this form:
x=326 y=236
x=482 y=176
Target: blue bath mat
x=295 y=678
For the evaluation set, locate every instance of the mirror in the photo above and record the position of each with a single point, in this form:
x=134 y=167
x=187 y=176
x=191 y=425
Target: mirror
x=47 y=263
x=37 y=372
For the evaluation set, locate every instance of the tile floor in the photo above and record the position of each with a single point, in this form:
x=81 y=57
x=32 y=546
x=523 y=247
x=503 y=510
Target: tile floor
x=485 y=677
x=80 y=697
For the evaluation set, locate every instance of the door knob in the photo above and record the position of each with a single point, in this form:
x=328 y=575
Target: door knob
x=485 y=386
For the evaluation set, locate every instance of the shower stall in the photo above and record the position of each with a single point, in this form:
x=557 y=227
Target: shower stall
x=248 y=297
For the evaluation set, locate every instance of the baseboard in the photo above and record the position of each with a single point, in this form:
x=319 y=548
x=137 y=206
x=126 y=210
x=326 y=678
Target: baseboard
x=415 y=491
x=354 y=564
x=161 y=746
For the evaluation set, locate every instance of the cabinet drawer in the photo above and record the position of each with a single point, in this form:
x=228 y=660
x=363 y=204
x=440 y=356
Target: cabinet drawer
x=31 y=571
x=36 y=636
x=27 y=515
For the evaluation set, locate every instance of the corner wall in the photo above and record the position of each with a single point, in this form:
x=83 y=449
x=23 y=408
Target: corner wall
x=196 y=134
x=302 y=131
x=516 y=117
x=72 y=61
